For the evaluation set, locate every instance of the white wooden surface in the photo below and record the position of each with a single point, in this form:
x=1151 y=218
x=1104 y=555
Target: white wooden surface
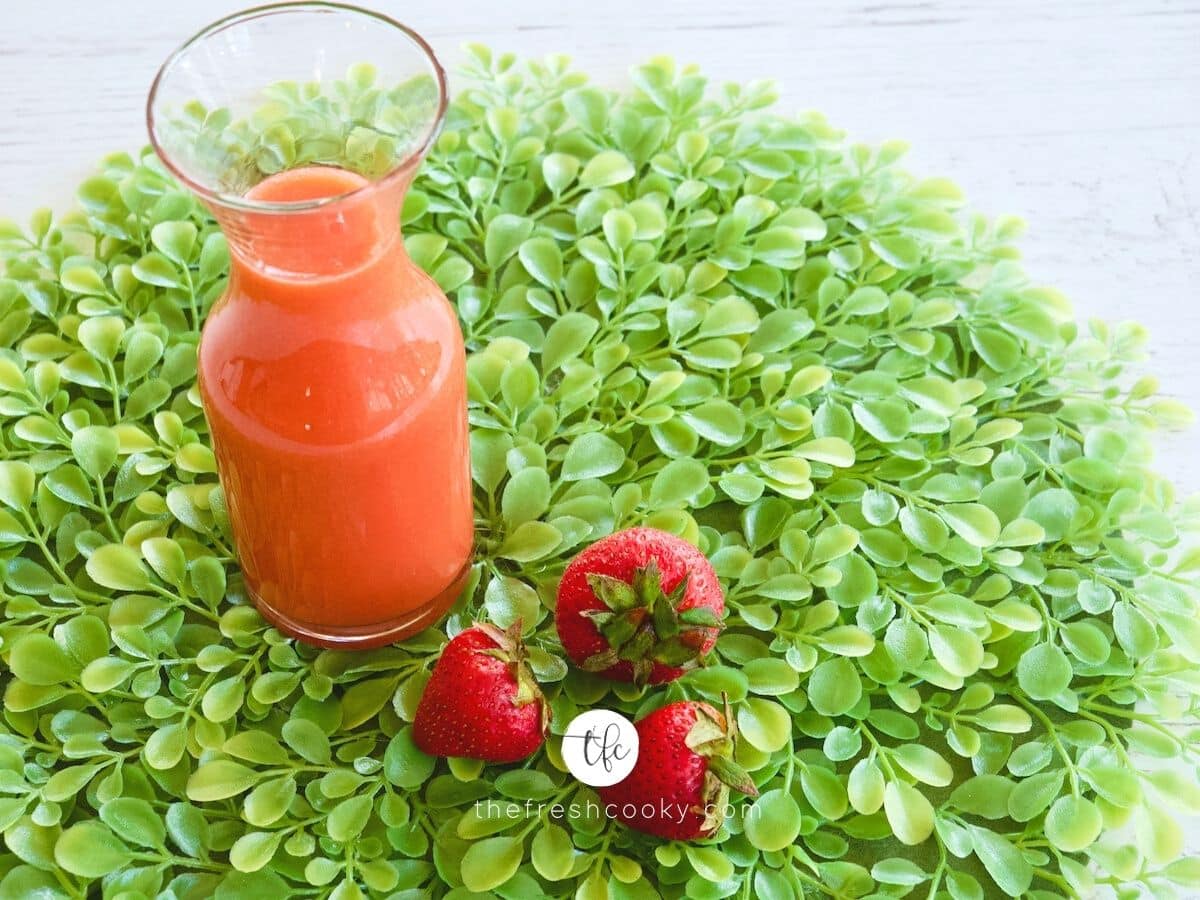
x=1083 y=116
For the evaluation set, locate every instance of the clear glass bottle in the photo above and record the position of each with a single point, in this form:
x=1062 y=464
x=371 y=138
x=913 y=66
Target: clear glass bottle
x=332 y=370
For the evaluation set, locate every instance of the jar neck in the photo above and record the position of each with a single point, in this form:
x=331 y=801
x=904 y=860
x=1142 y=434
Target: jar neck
x=322 y=242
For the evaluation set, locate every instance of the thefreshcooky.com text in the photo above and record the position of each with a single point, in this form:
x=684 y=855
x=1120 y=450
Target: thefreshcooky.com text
x=589 y=809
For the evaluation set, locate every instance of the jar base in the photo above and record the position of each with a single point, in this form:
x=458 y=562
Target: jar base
x=375 y=634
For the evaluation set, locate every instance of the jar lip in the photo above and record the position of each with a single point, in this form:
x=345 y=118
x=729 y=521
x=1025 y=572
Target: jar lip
x=238 y=201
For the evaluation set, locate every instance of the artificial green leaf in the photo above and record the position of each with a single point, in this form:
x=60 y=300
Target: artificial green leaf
x=592 y=455
x=90 y=850
x=404 y=764
x=1073 y=823
x=773 y=821
x=38 y=659
x=764 y=724
x=834 y=687
x=134 y=820
x=491 y=862
x=1008 y=868
x=908 y=812
x=1044 y=671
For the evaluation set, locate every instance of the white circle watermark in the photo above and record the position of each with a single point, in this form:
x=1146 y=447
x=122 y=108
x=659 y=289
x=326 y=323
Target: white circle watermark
x=600 y=747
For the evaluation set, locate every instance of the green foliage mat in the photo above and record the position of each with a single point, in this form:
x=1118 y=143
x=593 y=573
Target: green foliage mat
x=959 y=614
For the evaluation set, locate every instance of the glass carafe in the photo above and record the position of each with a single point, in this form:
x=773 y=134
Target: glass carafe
x=332 y=368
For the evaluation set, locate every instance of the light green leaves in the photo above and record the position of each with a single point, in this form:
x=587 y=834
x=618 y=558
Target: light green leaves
x=39 y=660
x=592 y=455
x=543 y=260
x=924 y=764
x=254 y=850
x=832 y=543
x=898 y=871
x=606 y=169
x=220 y=779
x=1008 y=868
x=771 y=676
x=926 y=530
x=559 y=170
x=91 y=850
x=709 y=863
x=679 y=481
x=764 y=724
x=1158 y=835
x=404 y=765
x=174 y=240
x=959 y=651
x=95 y=448
x=973 y=522
x=1086 y=642
x=1073 y=823
x=101 y=336
x=1044 y=671
x=824 y=790
x=82 y=279
x=566 y=339
x=552 y=853
x=165 y=747
x=347 y=820
x=718 y=421
x=866 y=788
x=491 y=862
x=984 y=795
x=269 y=801
x=505 y=234
x=1005 y=718
x=118 y=567
x=530 y=541
x=17 y=481
x=134 y=820
x=1034 y=794
x=223 y=699
x=773 y=821
x=508 y=600
x=105 y=673
x=1054 y=510
x=834 y=687
x=847 y=640
x=864 y=301
x=998 y=350
x=908 y=812
x=155 y=269
x=831 y=450
x=951 y=582
x=526 y=496
x=887 y=421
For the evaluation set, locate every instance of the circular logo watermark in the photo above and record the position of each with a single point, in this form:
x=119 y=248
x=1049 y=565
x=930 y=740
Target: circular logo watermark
x=600 y=747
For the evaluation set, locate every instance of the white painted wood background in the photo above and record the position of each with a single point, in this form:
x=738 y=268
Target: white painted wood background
x=1083 y=117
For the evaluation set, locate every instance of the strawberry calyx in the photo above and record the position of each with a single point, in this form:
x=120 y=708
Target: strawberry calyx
x=643 y=624
x=714 y=737
x=510 y=649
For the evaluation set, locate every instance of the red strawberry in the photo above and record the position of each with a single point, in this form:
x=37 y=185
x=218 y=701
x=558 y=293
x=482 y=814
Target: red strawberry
x=679 y=788
x=640 y=605
x=482 y=701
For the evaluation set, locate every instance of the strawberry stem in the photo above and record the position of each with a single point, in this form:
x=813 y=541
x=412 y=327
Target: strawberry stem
x=714 y=736
x=510 y=649
x=643 y=624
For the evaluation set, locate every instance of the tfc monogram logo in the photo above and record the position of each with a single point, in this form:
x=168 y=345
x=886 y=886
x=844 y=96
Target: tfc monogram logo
x=600 y=747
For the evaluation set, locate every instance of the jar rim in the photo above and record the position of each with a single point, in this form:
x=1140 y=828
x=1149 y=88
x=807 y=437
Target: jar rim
x=239 y=201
